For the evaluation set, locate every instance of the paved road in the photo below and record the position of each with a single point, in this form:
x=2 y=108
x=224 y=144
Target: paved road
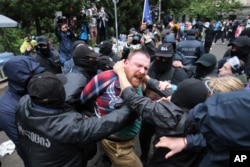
x=13 y=160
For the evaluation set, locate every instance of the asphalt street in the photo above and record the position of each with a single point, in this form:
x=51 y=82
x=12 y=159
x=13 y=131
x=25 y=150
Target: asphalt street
x=13 y=160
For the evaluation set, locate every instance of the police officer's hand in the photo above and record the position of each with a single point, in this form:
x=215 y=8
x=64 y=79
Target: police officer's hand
x=177 y=64
x=164 y=85
x=175 y=144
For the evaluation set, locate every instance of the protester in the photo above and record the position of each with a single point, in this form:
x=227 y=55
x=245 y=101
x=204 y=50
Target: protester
x=241 y=27
x=161 y=69
x=102 y=21
x=240 y=48
x=19 y=70
x=220 y=33
x=223 y=139
x=233 y=66
x=206 y=66
x=170 y=118
x=105 y=90
x=157 y=35
x=106 y=50
x=139 y=41
x=245 y=32
x=83 y=23
x=28 y=46
x=47 y=56
x=190 y=142
x=65 y=37
x=105 y=63
x=92 y=13
x=85 y=67
x=223 y=84
x=63 y=133
x=209 y=36
x=69 y=64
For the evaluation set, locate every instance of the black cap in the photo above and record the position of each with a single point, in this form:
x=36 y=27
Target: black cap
x=77 y=43
x=189 y=93
x=105 y=44
x=105 y=62
x=207 y=60
x=241 y=41
x=47 y=89
x=42 y=40
x=85 y=50
x=165 y=50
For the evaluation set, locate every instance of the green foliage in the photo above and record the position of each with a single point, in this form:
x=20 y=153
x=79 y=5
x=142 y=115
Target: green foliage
x=10 y=41
x=212 y=9
x=37 y=17
x=91 y=43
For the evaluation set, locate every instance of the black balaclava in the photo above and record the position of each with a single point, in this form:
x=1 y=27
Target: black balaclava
x=45 y=51
x=160 y=67
x=189 y=93
x=89 y=66
x=105 y=51
x=241 y=53
x=202 y=71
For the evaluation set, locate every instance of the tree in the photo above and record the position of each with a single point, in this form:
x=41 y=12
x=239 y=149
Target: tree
x=213 y=9
x=37 y=17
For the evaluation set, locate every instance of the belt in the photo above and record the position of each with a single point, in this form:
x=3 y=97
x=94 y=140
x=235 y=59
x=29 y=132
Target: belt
x=115 y=138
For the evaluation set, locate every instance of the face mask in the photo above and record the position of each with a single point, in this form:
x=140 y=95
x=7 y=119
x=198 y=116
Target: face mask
x=45 y=51
x=202 y=71
x=89 y=66
x=105 y=51
x=92 y=68
x=235 y=53
x=161 y=67
x=243 y=52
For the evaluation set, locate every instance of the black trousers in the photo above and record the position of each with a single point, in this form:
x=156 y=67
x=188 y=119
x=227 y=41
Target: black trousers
x=207 y=46
x=145 y=137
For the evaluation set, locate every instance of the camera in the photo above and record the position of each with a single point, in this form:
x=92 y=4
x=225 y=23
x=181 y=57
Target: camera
x=61 y=20
x=136 y=38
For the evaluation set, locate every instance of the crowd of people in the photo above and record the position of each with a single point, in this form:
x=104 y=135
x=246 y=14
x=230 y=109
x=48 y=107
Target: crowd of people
x=62 y=105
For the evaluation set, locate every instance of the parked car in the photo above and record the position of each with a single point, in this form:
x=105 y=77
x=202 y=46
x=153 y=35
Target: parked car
x=4 y=57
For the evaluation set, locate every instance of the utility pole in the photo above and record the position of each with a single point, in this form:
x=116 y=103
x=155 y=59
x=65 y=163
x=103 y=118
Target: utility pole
x=116 y=23
x=159 y=15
